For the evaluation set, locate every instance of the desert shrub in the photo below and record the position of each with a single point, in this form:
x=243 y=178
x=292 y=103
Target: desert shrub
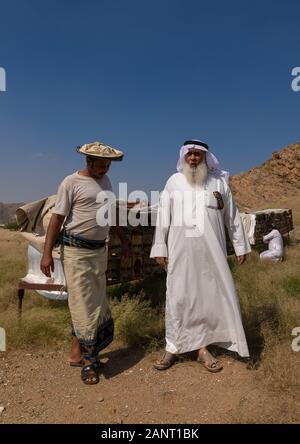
x=268 y=294
x=136 y=322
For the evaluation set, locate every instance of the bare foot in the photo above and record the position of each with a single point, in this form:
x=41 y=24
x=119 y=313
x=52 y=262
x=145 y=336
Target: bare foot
x=201 y=350
x=75 y=356
x=208 y=361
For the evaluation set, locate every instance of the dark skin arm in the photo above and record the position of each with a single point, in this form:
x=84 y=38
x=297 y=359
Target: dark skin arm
x=47 y=263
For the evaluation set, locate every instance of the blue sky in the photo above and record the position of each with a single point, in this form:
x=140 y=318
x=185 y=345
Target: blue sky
x=143 y=76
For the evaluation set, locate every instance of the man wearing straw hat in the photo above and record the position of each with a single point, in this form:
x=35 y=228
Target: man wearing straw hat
x=84 y=255
x=202 y=307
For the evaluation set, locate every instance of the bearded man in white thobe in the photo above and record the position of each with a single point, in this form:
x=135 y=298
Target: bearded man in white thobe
x=202 y=307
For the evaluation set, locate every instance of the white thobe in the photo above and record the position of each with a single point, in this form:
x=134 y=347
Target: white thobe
x=202 y=307
x=275 y=250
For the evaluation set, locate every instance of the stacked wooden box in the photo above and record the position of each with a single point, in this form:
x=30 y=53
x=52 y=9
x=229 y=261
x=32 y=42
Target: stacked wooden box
x=139 y=265
x=283 y=219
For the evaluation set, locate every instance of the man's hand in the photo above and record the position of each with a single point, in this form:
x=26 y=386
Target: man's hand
x=241 y=259
x=163 y=262
x=47 y=264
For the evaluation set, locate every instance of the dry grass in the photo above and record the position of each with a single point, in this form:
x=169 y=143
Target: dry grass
x=270 y=302
x=44 y=323
x=137 y=322
x=269 y=296
x=47 y=323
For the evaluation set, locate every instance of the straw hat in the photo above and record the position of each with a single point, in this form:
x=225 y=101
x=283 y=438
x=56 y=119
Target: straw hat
x=100 y=150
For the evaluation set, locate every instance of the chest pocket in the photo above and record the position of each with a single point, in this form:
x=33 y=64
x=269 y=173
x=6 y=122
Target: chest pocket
x=214 y=200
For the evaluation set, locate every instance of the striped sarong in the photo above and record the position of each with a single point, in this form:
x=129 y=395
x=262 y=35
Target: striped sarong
x=90 y=312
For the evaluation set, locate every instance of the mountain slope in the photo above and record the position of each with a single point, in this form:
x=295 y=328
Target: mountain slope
x=7 y=212
x=276 y=179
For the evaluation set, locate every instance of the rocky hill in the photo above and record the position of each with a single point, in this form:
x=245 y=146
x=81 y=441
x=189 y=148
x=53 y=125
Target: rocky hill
x=276 y=179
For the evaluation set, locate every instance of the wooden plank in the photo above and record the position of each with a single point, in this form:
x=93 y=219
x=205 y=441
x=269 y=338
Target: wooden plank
x=46 y=287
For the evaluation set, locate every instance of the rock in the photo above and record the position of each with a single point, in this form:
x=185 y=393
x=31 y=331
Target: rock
x=80 y=407
x=276 y=176
x=100 y=399
x=2 y=409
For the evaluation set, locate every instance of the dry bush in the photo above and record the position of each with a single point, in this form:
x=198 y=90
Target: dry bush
x=46 y=323
x=268 y=292
x=270 y=302
x=136 y=322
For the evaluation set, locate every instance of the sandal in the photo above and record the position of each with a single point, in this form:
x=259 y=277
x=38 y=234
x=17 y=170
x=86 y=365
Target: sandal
x=89 y=374
x=167 y=360
x=77 y=363
x=81 y=363
x=209 y=362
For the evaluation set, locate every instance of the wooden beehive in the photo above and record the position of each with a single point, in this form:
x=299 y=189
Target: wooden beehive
x=283 y=219
x=139 y=265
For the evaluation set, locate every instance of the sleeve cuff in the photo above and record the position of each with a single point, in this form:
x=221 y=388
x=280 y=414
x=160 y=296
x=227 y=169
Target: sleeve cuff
x=59 y=212
x=159 y=250
x=240 y=250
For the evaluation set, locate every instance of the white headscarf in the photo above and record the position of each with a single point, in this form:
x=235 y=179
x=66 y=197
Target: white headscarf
x=211 y=160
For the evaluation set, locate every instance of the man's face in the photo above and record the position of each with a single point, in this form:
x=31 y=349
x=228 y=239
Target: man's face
x=194 y=157
x=98 y=167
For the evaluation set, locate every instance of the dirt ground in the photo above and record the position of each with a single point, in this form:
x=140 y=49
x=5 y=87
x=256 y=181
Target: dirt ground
x=40 y=387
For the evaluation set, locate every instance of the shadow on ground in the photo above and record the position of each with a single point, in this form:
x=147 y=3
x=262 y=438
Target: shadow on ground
x=118 y=361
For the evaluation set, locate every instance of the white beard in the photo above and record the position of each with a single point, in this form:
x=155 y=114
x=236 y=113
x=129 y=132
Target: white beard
x=195 y=175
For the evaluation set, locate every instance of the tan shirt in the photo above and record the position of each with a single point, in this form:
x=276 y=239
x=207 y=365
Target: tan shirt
x=76 y=199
